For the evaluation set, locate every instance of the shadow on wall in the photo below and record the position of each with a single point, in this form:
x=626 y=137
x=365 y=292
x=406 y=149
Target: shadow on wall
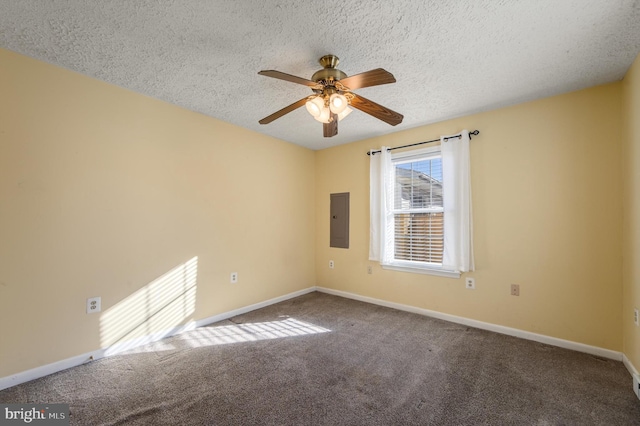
x=152 y=312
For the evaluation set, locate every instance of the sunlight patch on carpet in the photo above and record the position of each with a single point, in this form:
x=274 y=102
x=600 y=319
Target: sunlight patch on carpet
x=250 y=332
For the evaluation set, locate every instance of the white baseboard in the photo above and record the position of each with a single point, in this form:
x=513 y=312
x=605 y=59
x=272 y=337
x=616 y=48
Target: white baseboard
x=45 y=370
x=567 y=344
x=632 y=369
x=244 y=310
x=35 y=373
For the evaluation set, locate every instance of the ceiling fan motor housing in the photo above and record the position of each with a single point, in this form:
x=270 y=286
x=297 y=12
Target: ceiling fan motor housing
x=329 y=72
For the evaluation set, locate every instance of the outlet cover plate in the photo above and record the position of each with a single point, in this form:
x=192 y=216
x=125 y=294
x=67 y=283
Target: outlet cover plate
x=94 y=305
x=234 y=278
x=470 y=283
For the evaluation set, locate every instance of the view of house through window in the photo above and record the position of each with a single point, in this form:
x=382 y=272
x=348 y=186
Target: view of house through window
x=418 y=210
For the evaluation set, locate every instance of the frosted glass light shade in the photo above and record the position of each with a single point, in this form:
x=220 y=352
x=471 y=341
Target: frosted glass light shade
x=325 y=115
x=338 y=103
x=315 y=106
x=344 y=113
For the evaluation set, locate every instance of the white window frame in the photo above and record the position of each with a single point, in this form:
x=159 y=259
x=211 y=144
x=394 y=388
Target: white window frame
x=414 y=266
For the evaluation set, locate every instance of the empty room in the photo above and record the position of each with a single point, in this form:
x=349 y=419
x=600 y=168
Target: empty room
x=320 y=213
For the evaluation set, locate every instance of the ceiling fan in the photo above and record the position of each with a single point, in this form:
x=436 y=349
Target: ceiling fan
x=333 y=95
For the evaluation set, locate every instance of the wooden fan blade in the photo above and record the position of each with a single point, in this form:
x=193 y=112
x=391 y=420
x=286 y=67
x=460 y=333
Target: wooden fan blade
x=331 y=128
x=376 y=110
x=369 y=78
x=283 y=111
x=288 y=77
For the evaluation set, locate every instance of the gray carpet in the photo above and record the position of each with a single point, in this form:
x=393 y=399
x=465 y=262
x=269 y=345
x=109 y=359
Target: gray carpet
x=325 y=360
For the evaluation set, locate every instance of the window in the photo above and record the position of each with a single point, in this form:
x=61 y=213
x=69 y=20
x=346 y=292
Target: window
x=420 y=204
x=418 y=210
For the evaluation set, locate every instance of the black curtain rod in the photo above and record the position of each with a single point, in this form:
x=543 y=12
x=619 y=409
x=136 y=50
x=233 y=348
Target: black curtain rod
x=474 y=133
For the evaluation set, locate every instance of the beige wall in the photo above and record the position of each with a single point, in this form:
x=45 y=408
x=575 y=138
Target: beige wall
x=547 y=205
x=631 y=212
x=103 y=190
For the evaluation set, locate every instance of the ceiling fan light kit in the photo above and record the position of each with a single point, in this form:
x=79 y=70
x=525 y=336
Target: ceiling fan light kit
x=323 y=108
x=333 y=95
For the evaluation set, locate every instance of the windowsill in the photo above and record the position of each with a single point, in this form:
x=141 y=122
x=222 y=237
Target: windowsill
x=426 y=271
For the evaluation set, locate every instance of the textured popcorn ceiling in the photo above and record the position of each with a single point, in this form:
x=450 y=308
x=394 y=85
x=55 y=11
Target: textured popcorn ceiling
x=450 y=57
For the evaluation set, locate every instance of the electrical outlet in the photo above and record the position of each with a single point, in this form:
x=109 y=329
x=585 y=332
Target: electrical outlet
x=636 y=317
x=234 y=277
x=94 y=305
x=331 y=264
x=369 y=269
x=515 y=289
x=470 y=283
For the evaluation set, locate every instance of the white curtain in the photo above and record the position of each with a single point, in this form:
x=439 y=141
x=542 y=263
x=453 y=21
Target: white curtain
x=458 y=227
x=381 y=206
